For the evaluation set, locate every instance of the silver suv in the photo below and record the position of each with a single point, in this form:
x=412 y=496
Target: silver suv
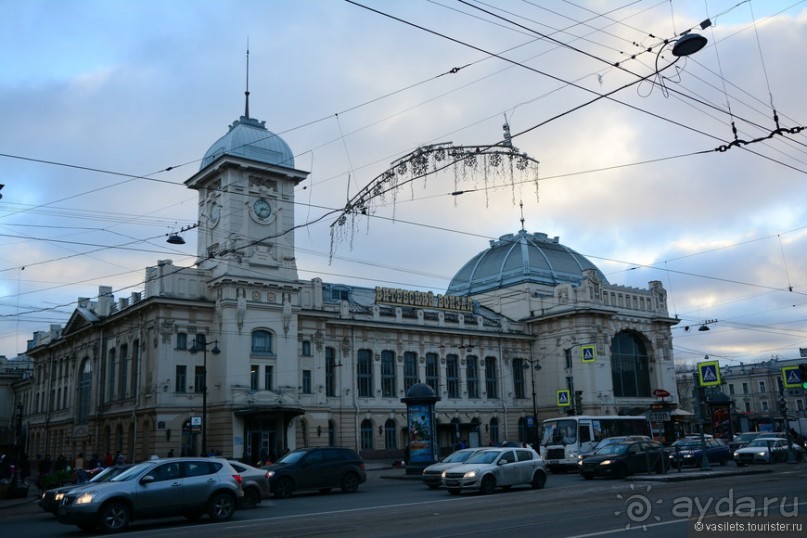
x=156 y=488
x=496 y=467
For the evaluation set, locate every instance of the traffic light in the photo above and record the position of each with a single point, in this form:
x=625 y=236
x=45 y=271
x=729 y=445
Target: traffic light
x=578 y=401
x=803 y=375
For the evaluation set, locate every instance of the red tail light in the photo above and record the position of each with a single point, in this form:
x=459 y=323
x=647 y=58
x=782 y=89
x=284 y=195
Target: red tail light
x=238 y=478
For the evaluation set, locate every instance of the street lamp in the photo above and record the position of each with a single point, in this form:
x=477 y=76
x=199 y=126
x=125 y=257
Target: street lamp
x=202 y=345
x=533 y=365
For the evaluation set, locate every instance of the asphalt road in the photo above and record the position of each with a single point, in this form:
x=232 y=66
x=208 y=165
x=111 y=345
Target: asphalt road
x=568 y=506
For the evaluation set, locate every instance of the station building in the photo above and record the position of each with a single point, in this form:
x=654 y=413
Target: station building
x=526 y=326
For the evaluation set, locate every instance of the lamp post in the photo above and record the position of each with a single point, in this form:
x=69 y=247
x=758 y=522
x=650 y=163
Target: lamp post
x=533 y=365
x=195 y=348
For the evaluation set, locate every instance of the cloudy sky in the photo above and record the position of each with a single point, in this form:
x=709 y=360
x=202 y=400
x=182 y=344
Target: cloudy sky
x=107 y=107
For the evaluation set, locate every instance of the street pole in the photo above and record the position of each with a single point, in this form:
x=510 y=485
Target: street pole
x=203 y=345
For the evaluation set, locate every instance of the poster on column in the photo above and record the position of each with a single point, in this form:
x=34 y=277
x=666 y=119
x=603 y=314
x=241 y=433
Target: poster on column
x=420 y=433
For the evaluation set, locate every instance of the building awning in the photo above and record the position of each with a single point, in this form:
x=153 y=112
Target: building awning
x=269 y=409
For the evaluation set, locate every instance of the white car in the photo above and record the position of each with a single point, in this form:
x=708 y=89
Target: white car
x=433 y=474
x=496 y=467
x=766 y=450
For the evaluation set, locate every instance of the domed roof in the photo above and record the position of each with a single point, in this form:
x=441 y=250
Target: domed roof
x=521 y=258
x=249 y=138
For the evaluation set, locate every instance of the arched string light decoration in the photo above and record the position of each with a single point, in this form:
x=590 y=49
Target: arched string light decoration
x=484 y=167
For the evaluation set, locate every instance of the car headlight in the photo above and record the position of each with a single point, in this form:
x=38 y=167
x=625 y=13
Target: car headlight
x=606 y=462
x=59 y=496
x=761 y=453
x=470 y=474
x=270 y=474
x=736 y=454
x=86 y=497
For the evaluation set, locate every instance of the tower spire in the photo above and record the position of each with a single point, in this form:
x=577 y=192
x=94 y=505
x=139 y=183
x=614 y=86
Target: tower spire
x=521 y=205
x=246 y=93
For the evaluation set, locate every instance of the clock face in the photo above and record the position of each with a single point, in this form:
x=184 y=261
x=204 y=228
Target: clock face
x=262 y=209
x=215 y=214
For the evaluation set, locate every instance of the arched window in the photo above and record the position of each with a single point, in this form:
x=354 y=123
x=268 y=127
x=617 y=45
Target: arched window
x=388 y=381
x=390 y=434
x=366 y=434
x=629 y=366
x=494 y=431
x=261 y=342
x=84 y=387
x=522 y=430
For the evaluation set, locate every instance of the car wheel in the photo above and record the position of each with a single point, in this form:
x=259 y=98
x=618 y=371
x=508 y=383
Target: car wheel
x=221 y=507
x=488 y=485
x=284 y=488
x=350 y=483
x=113 y=517
x=433 y=486
x=453 y=491
x=251 y=498
x=538 y=480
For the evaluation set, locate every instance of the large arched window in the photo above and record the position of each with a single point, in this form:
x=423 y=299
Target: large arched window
x=261 y=342
x=84 y=386
x=366 y=434
x=494 y=431
x=364 y=373
x=629 y=366
x=390 y=434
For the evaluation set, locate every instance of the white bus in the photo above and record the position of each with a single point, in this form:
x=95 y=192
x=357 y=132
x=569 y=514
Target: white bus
x=563 y=439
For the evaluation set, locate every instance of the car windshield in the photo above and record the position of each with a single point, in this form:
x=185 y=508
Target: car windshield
x=687 y=445
x=132 y=472
x=292 y=457
x=743 y=437
x=761 y=442
x=612 y=449
x=106 y=474
x=486 y=456
x=458 y=457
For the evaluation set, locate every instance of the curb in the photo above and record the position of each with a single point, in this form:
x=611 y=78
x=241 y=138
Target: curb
x=698 y=475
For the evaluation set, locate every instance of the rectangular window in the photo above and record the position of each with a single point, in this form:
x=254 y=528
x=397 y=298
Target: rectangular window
x=111 y=376
x=472 y=373
x=306 y=382
x=745 y=388
x=433 y=372
x=135 y=367
x=364 y=373
x=490 y=378
x=410 y=369
x=124 y=371
x=453 y=376
x=268 y=374
x=330 y=371
x=182 y=340
x=764 y=405
x=306 y=348
x=181 y=381
x=199 y=379
x=388 y=374
x=518 y=378
x=731 y=389
x=261 y=342
x=762 y=387
x=254 y=369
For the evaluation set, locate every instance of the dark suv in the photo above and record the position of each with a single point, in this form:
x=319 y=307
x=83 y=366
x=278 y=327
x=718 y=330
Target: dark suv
x=320 y=468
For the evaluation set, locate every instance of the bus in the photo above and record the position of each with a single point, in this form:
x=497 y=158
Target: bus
x=563 y=439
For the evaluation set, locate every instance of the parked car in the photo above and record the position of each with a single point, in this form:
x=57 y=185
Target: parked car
x=433 y=474
x=319 y=468
x=690 y=452
x=622 y=459
x=254 y=482
x=155 y=488
x=742 y=439
x=766 y=450
x=50 y=499
x=619 y=439
x=496 y=467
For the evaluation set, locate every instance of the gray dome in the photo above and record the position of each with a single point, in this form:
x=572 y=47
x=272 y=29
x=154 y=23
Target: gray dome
x=521 y=258
x=249 y=138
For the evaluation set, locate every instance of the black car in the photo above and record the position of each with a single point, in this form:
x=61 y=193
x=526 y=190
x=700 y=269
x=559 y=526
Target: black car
x=622 y=459
x=319 y=468
x=690 y=452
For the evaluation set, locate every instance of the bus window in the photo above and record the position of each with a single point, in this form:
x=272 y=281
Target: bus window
x=584 y=432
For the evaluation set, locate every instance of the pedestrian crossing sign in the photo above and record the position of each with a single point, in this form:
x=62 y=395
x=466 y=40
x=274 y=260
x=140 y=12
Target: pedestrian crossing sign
x=564 y=398
x=588 y=353
x=791 y=377
x=709 y=373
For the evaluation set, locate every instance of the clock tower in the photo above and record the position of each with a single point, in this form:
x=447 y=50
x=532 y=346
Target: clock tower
x=246 y=205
